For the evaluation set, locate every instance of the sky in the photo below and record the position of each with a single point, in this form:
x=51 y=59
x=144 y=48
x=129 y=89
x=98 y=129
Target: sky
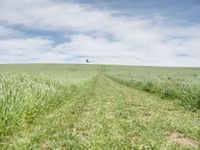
x=127 y=32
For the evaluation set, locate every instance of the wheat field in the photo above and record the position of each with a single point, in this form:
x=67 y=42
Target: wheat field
x=58 y=106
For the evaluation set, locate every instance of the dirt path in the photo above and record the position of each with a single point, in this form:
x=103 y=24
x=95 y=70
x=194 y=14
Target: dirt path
x=107 y=115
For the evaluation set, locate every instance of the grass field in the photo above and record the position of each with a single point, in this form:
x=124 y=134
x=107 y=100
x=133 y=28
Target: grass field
x=99 y=107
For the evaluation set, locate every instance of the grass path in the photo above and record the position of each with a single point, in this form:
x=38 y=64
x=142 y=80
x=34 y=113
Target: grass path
x=107 y=115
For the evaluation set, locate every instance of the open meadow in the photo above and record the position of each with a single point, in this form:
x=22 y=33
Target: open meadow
x=58 y=106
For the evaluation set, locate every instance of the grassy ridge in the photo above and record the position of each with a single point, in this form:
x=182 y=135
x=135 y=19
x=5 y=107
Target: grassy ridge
x=179 y=84
x=184 y=95
x=25 y=96
x=67 y=105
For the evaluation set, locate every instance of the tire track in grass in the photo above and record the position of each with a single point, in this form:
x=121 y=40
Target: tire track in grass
x=107 y=115
x=148 y=121
x=118 y=117
x=99 y=129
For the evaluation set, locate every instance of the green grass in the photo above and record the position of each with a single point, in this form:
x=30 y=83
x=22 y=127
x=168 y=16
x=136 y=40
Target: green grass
x=97 y=107
x=180 y=84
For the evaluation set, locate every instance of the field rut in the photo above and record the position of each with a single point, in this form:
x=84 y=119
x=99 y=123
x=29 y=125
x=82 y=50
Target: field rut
x=110 y=115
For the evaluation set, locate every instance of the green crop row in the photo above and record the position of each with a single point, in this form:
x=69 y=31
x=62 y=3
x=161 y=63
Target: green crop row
x=24 y=96
x=185 y=94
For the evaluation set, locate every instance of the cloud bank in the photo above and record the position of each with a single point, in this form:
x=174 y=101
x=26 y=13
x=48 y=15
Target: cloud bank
x=68 y=32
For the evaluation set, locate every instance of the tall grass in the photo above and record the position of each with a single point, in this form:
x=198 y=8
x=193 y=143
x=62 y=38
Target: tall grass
x=33 y=90
x=180 y=84
x=24 y=96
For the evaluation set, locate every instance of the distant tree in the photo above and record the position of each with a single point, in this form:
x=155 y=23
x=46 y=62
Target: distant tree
x=87 y=61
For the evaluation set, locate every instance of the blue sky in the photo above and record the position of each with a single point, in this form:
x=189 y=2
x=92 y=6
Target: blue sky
x=130 y=32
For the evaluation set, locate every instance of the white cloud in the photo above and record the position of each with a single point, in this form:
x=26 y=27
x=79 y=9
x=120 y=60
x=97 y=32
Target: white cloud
x=98 y=34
